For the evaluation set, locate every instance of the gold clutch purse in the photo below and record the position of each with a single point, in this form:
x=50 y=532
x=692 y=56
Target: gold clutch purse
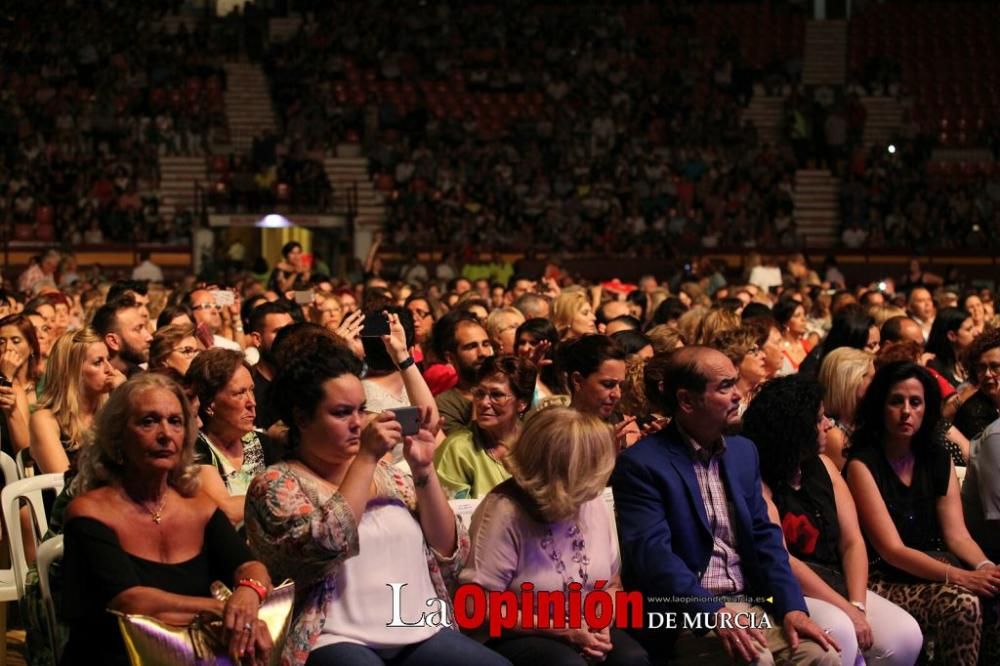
x=150 y=642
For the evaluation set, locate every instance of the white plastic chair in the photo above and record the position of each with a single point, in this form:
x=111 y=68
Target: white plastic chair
x=10 y=499
x=8 y=583
x=23 y=459
x=50 y=551
x=9 y=469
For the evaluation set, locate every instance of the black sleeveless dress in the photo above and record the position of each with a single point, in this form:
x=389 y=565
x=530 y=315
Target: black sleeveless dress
x=913 y=508
x=97 y=569
x=809 y=522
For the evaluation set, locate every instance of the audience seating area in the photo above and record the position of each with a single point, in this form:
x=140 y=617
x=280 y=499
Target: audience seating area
x=946 y=54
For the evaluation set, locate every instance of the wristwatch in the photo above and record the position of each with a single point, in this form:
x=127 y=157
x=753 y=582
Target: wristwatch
x=860 y=606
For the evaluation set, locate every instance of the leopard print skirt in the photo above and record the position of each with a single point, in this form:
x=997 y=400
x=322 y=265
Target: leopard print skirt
x=964 y=629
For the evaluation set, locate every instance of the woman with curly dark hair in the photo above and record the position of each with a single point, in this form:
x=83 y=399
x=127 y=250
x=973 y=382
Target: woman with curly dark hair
x=809 y=500
x=982 y=407
x=340 y=521
x=909 y=507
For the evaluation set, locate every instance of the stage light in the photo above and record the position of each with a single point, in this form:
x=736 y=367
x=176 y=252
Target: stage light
x=274 y=221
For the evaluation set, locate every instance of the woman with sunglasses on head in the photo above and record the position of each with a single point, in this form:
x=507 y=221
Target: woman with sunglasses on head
x=470 y=461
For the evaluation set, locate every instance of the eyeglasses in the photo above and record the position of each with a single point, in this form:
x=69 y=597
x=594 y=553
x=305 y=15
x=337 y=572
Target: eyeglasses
x=755 y=350
x=496 y=397
x=420 y=314
x=187 y=352
x=991 y=368
x=206 y=306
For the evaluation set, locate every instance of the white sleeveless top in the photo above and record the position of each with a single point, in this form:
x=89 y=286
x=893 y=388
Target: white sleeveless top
x=391 y=551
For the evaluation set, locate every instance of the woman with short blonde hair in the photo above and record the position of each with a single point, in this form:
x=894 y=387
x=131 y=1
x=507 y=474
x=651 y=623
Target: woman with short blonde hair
x=573 y=315
x=501 y=326
x=689 y=323
x=562 y=460
x=665 y=339
x=549 y=525
x=844 y=375
x=715 y=321
x=883 y=313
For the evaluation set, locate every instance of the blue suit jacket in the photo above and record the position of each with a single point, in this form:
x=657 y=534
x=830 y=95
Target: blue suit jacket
x=664 y=533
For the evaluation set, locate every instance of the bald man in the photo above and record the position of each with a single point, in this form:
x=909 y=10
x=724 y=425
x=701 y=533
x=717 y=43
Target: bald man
x=682 y=496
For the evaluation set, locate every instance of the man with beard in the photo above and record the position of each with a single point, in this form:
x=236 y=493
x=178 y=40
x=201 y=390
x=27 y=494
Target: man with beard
x=464 y=344
x=134 y=288
x=122 y=325
x=265 y=322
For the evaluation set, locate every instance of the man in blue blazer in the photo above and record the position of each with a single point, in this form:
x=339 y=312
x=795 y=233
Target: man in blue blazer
x=694 y=528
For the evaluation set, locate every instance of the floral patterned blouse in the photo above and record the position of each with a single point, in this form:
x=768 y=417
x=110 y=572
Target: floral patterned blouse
x=302 y=531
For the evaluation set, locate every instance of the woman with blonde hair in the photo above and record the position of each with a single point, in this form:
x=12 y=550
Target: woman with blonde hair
x=883 y=313
x=79 y=378
x=715 y=321
x=689 y=323
x=573 y=315
x=665 y=339
x=326 y=311
x=548 y=525
x=501 y=326
x=142 y=538
x=844 y=375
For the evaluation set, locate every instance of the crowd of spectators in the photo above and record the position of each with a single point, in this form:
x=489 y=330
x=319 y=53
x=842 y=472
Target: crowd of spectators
x=92 y=97
x=603 y=136
x=268 y=405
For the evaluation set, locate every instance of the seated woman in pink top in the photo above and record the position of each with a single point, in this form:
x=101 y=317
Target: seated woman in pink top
x=548 y=525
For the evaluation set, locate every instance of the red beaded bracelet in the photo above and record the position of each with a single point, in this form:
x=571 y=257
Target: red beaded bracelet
x=254 y=585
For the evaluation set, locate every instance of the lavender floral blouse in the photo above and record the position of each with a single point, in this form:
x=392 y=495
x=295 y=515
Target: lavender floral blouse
x=302 y=531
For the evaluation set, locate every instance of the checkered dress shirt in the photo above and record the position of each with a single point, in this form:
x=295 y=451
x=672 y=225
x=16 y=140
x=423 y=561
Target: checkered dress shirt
x=723 y=574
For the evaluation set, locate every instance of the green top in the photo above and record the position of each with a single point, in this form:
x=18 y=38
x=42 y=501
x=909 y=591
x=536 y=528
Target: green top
x=455 y=410
x=465 y=468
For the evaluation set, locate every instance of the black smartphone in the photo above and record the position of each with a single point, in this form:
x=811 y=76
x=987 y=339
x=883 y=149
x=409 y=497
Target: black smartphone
x=376 y=325
x=643 y=421
x=409 y=418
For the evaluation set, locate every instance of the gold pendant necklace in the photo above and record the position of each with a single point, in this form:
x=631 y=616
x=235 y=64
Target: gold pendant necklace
x=156 y=515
